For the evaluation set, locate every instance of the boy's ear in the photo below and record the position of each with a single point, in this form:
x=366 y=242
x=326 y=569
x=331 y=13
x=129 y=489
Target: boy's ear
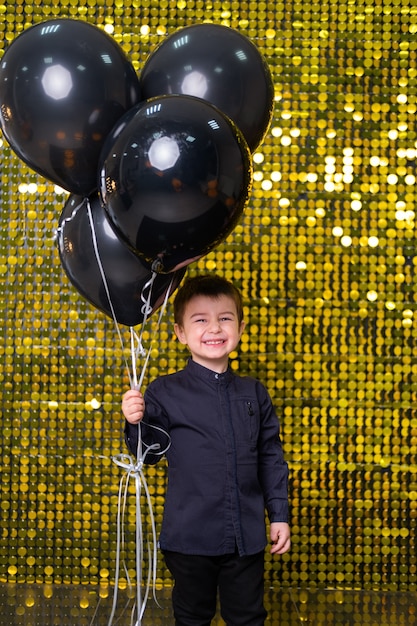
x=242 y=328
x=179 y=331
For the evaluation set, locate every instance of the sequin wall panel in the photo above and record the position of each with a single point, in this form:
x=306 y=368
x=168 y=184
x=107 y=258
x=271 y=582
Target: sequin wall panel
x=325 y=255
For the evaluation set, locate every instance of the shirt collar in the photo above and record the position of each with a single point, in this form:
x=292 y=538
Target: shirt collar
x=207 y=374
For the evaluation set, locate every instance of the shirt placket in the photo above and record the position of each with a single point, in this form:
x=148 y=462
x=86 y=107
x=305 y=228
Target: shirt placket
x=233 y=533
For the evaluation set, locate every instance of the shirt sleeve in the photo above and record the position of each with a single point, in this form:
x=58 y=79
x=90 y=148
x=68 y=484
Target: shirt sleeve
x=273 y=469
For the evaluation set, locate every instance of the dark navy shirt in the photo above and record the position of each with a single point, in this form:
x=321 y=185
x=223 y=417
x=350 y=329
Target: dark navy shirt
x=225 y=460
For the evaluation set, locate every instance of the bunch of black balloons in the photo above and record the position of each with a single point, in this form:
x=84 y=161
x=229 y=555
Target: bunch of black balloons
x=158 y=165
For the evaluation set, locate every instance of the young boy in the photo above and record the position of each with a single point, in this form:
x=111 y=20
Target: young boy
x=225 y=463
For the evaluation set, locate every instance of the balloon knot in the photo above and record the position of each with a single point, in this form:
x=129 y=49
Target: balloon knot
x=157 y=266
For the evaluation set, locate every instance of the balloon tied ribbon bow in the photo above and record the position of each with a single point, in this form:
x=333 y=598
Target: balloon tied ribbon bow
x=134 y=471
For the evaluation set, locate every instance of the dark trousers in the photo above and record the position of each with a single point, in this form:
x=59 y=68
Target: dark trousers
x=197 y=579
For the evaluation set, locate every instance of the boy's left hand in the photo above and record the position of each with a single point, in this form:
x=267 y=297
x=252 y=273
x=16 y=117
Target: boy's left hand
x=280 y=537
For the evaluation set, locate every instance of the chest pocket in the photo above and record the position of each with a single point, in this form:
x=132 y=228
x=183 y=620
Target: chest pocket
x=247 y=425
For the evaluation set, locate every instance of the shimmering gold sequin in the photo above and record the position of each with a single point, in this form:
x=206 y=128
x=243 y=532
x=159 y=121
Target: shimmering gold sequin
x=326 y=259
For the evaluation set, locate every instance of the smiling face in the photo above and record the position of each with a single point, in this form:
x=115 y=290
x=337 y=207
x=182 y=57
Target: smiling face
x=211 y=330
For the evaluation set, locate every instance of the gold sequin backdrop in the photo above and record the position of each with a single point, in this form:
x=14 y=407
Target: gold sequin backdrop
x=326 y=258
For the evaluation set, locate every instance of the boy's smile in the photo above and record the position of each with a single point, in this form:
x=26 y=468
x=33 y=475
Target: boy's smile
x=211 y=330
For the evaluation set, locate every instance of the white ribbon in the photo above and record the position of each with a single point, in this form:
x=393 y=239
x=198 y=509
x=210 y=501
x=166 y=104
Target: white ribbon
x=134 y=468
x=139 y=350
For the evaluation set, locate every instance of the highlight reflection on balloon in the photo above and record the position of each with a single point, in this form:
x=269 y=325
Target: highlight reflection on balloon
x=125 y=275
x=174 y=179
x=220 y=65
x=64 y=83
x=163 y=153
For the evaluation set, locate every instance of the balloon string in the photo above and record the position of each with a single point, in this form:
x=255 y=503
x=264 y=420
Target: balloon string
x=134 y=468
x=59 y=234
x=104 y=279
x=146 y=309
x=137 y=384
x=140 y=456
x=139 y=349
x=59 y=229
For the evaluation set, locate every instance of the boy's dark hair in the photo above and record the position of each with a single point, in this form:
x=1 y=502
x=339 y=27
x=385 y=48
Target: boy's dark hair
x=209 y=285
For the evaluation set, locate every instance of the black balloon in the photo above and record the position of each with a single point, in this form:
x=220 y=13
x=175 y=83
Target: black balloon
x=220 y=65
x=175 y=179
x=81 y=240
x=64 y=83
